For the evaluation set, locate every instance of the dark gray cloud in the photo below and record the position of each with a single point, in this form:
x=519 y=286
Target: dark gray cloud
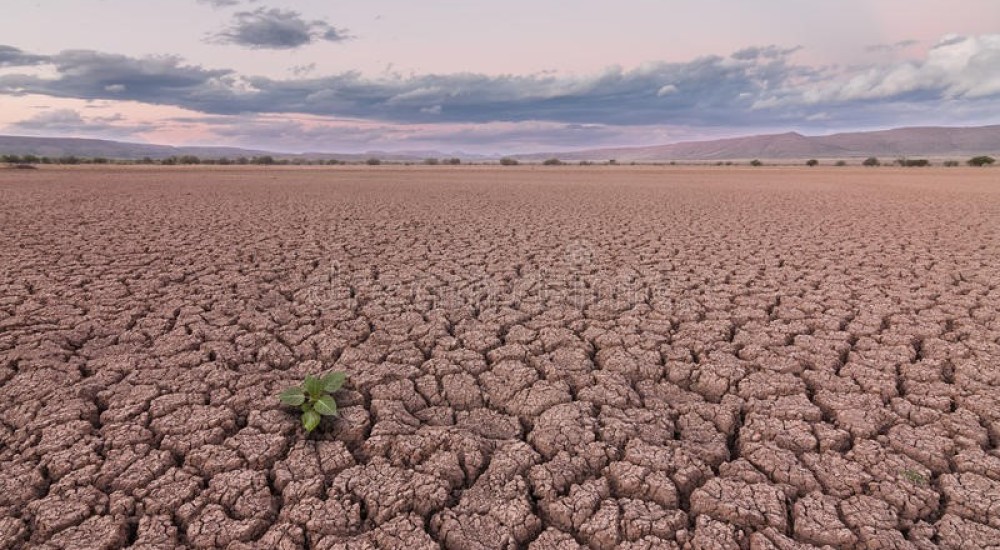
x=14 y=57
x=276 y=29
x=757 y=87
x=767 y=52
x=68 y=122
x=86 y=74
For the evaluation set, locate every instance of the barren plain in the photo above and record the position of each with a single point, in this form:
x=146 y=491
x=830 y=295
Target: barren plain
x=540 y=358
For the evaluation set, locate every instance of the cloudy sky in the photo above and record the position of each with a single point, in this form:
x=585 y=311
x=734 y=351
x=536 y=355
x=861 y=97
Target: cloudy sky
x=490 y=76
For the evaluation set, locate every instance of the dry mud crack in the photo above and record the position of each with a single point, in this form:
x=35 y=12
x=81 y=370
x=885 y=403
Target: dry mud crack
x=537 y=358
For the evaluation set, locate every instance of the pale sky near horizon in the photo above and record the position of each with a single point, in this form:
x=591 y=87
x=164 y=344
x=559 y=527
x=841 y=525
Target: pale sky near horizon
x=478 y=76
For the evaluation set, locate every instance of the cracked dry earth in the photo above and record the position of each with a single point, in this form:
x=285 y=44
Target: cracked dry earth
x=537 y=358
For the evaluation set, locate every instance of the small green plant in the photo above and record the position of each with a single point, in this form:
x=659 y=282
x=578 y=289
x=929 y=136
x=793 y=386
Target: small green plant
x=314 y=397
x=507 y=161
x=756 y=162
x=812 y=162
x=871 y=161
x=552 y=162
x=950 y=163
x=914 y=477
x=840 y=163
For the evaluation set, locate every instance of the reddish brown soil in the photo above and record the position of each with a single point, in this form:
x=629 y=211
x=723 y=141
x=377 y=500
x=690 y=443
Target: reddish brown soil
x=538 y=358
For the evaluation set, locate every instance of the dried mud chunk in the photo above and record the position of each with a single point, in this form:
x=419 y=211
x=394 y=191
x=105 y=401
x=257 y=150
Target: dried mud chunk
x=743 y=470
x=618 y=427
x=402 y=532
x=831 y=438
x=766 y=384
x=489 y=424
x=564 y=427
x=710 y=534
x=13 y=532
x=20 y=483
x=572 y=365
x=128 y=469
x=641 y=519
x=167 y=493
x=461 y=391
x=538 y=398
x=388 y=491
x=324 y=517
x=755 y=506
x=633 y=481
x=633 y=364
x=862 y=414
x=965 y=429
x=506 y=379
x=212 y=460
x=874 y=520
x=769 y=539
x=839 y=476
x=896 y=480
x=352 y=425
x=786 y=407
x=609 y=389
x=97 y=532
x=570 y=512
x=189 y=427
x=213 y=528
x=260 y=450
x=817 y=522
x=554 y=539
x=555 y=477
x=782 y=466
x=685 y=468
x=244 y=493
x=956 y=533
x=60 y=511
x=976 y=460
x=703 y=438
x=496 y=512
x=119 y=435
x=83 y=454
x=972 y=497
x=794 y=435
x=500 y=517
x=601 y=530
x=401 y=391
x=925 y=444
x=411 y=451
x=715 y=378
x=281 y=536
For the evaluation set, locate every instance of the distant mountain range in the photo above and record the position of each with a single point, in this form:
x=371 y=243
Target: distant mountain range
x=925 y=141
x=928 y=141
x=120 y=150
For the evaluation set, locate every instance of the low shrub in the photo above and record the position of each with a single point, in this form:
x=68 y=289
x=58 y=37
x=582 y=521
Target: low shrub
x=981 y=160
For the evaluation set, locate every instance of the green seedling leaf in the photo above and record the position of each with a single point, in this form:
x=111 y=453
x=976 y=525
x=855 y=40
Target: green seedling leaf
x=293 y=396
x=325 y=406
x=310 y=420
x=333 y=381
x=915 y=477
x=314 y=386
